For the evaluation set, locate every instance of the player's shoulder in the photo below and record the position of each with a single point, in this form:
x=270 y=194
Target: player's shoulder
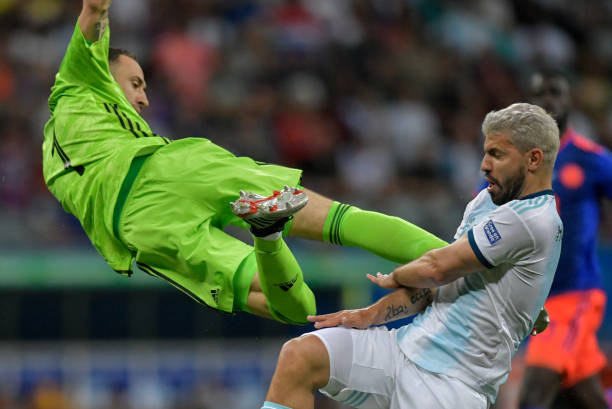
x=538 y=211
x=534 y=208
x=584 y=144
x=74 y=101
x=595 y=158
x=532 y=203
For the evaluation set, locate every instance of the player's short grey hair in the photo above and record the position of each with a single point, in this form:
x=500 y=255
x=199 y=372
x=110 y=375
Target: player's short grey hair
x=528 y=126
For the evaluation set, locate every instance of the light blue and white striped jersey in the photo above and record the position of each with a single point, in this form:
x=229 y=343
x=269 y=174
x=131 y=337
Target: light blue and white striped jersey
x=475 y=324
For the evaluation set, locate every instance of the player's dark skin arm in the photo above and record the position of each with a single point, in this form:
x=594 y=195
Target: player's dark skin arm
x=94 y=18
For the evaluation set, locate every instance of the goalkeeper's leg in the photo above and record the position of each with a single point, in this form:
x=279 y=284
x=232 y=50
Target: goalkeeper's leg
x=288 y=297
x=386 y=236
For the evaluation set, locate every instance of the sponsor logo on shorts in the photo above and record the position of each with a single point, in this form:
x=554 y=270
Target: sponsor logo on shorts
x=491 y=231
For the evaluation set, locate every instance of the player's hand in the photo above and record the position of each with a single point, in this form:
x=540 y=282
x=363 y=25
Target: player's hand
x=541 y=323
x=384 y=280
x=361 y=318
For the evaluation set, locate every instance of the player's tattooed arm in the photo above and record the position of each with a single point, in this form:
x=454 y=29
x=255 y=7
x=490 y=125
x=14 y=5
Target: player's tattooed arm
x=398 y=304
x=100 y=26
x=94 y=18
x=419 y=300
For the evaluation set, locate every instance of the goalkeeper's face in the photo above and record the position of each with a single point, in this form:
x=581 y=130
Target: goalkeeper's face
x=128 y=74
x=504 y=168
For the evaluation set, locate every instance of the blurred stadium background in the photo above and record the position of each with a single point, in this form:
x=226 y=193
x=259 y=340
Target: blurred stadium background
x=380 y=98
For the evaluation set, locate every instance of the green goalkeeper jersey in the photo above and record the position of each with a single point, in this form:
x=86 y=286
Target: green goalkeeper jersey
x=90 y=141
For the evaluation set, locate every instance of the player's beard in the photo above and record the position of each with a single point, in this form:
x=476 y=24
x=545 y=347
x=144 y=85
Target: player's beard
x=510 y=189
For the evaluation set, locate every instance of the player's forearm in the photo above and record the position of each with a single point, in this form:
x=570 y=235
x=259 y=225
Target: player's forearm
x=94 y=18
x=401 y=303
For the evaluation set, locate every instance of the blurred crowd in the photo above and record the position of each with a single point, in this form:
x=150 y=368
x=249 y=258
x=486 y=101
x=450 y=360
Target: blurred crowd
x=379 y=101
x=183 y=375
x=372 y=98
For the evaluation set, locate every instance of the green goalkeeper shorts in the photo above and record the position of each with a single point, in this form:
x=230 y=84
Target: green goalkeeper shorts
x=175 y=211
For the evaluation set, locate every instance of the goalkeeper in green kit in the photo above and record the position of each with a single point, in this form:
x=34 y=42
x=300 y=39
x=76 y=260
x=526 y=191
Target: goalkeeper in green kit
x=164 y=204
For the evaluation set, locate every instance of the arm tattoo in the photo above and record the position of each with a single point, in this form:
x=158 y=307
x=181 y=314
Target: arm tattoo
x=424 y=293
x=101 y=25
x=393 y=311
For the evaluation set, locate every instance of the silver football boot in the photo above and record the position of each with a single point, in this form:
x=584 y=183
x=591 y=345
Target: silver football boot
x=268 y=215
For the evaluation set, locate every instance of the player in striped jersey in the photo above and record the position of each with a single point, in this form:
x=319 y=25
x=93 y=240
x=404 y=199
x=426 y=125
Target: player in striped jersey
x=491 y=283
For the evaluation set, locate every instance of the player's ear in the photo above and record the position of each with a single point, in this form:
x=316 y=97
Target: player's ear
x=534 y=158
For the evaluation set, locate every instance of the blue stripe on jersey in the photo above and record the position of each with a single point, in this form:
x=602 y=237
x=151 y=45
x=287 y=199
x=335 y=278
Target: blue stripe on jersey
x=357 y=398
x=517 y=204
x=529 y=199
x=350 y=397
x=539 y=202
x=362 y=401
x=526 y=204
x=477 y=251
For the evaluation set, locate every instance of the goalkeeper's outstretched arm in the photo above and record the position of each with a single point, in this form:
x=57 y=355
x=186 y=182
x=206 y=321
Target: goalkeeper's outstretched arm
x=94 y=18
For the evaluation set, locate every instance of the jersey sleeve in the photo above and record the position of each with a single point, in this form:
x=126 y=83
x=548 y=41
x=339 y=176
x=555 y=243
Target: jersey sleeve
x=85 y=63
x=604 y=174
x=501 y=238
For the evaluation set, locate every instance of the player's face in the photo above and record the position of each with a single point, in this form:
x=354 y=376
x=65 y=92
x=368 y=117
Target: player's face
x=129 y=76
x=504 y=168
x=552 y=94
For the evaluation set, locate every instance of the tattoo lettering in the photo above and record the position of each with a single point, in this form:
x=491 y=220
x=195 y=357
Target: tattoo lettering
x=424 y=293
x=393 y=311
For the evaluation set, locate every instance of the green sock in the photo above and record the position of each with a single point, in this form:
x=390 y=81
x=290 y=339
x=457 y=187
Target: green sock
x=289 y=298
x=389 y=237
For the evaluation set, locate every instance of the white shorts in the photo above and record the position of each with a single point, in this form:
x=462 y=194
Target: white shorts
x=368 y=370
